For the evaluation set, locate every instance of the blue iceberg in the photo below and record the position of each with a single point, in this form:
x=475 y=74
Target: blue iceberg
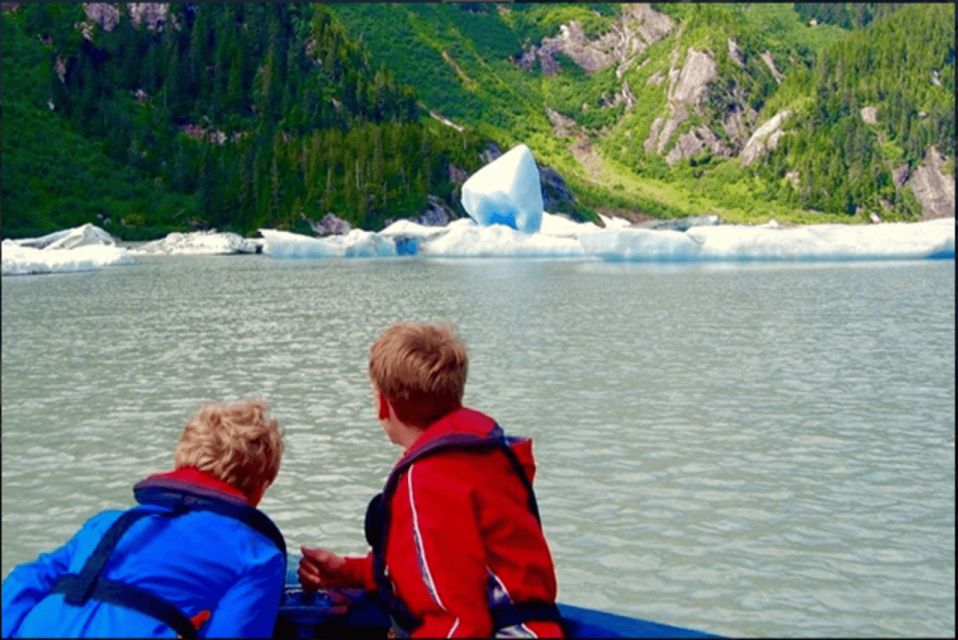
x=506 y=191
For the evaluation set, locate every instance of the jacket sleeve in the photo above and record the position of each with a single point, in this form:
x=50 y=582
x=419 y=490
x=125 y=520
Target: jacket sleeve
x=250 y=607
x=31 y=582
x=436 y=556
x=358 y=571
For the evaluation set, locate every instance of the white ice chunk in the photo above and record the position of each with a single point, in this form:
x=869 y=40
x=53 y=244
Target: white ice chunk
x=23 y=260
x=902 y=241
x=466 y=239
x=206 y=243
x=560 y=237
x=356 y=244
x=82 y=236
x=506 y=191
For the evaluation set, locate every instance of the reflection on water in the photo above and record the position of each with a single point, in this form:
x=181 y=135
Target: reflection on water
x=748 y=450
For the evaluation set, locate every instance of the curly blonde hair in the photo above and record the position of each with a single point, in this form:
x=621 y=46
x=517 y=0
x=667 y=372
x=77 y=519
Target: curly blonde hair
x=234 y=442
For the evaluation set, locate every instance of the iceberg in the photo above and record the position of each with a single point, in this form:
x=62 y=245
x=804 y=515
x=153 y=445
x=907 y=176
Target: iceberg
x=506 y=191
x=355 y=244
x=19 y=259
x=82 y=236
x=743 y=243
x=559 y=238
x=83 y=248
x=200 y=243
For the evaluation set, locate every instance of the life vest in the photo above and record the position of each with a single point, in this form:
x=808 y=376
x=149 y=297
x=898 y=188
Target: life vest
x=377 y=530
x=180 y=498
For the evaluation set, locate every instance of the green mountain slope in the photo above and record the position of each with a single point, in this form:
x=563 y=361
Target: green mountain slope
x=53 y=177
x=651 y=108
x=240 y=116
x=155 y=117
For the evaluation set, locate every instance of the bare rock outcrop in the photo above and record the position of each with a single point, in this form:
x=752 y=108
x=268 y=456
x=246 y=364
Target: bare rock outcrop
x=104 y=14
x=699 y=69
x=330 y=225
x=735 y=53
x=688 y=89
x=770 y=63
x=738 y=124
x=765 y=138
x=153 y=14
x=436 y=214
x=900 y=175
x=934 y=190
x=693 y=142
x=562 y=126
x=638 y=27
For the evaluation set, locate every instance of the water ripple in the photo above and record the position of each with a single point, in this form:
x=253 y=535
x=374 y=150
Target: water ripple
x=754 y=451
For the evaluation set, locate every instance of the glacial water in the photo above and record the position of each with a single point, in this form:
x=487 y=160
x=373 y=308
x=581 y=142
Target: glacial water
x=746 y=449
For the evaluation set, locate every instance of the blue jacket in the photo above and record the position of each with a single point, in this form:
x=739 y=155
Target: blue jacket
x=196 y=561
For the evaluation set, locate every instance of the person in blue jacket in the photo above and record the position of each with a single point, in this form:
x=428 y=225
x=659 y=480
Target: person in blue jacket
x=194 y=558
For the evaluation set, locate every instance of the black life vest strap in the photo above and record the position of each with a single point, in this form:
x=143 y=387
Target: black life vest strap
x=84 y=583
x=128 y=596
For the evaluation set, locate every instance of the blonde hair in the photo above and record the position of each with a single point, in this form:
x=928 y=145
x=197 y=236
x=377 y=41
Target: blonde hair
x=234 y=442
x=421 y=369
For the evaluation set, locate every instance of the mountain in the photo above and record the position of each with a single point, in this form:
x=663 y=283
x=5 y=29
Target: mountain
x=162 y=117
x=146 y=118
x=745 y=110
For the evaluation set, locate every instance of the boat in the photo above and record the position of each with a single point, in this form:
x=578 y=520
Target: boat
x=310 y=615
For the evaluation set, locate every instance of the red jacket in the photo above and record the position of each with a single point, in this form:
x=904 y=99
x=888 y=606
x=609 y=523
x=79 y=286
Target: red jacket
x=462 y=537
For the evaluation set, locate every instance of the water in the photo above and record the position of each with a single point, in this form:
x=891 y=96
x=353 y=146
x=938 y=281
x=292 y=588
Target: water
x=751 y=450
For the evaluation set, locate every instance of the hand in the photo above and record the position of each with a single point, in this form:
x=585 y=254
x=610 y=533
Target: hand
x=320 y=569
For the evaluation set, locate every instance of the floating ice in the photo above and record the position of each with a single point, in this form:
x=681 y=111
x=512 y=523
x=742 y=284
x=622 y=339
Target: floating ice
x=83 y=248
x=560 y=237
x=206 y=243
x=931 y=239
x=465 y=239
x=19 y=259
x=355 y=244
x=506 y=191
x=82 y=236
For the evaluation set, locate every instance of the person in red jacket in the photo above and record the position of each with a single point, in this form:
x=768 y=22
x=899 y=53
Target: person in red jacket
x=457 y=545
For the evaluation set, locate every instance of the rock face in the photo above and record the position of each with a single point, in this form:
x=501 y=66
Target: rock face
x=638 y=27
x=869 y=115
x=735 y=53
x=690 y=87
x=106 y=16
x=153 y=14
x=693 y=142
x=934 y=190
x=103 y=14
x=687 y=91
x=770 y=63
x=765 y=138
x=437 y=213
x=556 y=196
x=330 y=225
